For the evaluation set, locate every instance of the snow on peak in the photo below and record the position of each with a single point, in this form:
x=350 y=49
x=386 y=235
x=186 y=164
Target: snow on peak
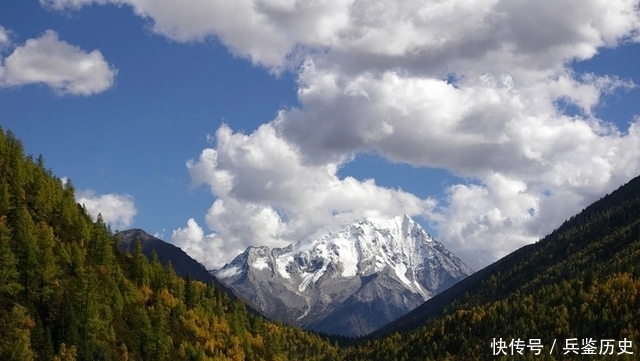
x=369 y=246
x=228 y=272
x=391 y=264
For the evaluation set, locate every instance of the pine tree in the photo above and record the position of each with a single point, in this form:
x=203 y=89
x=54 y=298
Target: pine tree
x=47 y=275
x=26 y=250
x=15 y=333
x=139 y=272
x=9 y=286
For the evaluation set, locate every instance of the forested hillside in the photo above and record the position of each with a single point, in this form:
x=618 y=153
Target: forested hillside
x=581 y=282
x=67 y=293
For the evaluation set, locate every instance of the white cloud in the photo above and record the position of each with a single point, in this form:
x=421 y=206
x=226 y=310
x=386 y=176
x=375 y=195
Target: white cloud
x=535 y=165
x=267 y=32
x=498 y=122
x=194 y=242
x=474 y=87
x=117 y=210
x=427 y=35
x=474 y=127
x=64 y=67
x=266 y=194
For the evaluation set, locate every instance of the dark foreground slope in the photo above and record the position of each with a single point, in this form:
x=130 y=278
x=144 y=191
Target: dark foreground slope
x=581 y=281
x=182 y=263
x=171 y=256
x=68 y=293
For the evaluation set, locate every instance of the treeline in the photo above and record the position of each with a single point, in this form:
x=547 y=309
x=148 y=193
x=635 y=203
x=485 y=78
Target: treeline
x=67 y=293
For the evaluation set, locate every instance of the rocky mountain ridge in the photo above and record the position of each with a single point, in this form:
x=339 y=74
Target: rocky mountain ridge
x=347 y=280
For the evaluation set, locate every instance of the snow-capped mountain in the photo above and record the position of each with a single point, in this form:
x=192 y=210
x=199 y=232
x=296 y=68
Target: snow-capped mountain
x=349 y=280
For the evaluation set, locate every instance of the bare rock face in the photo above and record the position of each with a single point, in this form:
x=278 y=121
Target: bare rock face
x=348 y=281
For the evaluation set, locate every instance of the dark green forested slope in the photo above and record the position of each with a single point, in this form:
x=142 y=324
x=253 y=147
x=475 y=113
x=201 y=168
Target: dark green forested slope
x=581 y=281
x=67 y=293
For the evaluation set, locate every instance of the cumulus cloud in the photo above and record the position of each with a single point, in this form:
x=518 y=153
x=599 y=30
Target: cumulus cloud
x=529 y=159
x=479 y=98
x=117 y=210
x=532 y=165
x=477 y=88
x=192 y=240
x=432 y=35
x=267 y=32
x=66 y=68
x=266 y=194
x=490 y=122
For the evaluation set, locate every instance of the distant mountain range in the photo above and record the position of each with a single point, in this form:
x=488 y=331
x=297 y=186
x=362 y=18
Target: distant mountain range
x=348 y=280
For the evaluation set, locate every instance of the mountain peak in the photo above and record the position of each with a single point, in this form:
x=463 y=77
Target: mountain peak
x=334 y=264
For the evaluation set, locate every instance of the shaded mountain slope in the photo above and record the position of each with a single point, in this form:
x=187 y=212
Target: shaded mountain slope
x=183 y=265
x=181 y=262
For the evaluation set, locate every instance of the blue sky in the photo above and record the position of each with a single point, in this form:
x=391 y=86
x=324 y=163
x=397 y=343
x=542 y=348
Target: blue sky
x=218 y=125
